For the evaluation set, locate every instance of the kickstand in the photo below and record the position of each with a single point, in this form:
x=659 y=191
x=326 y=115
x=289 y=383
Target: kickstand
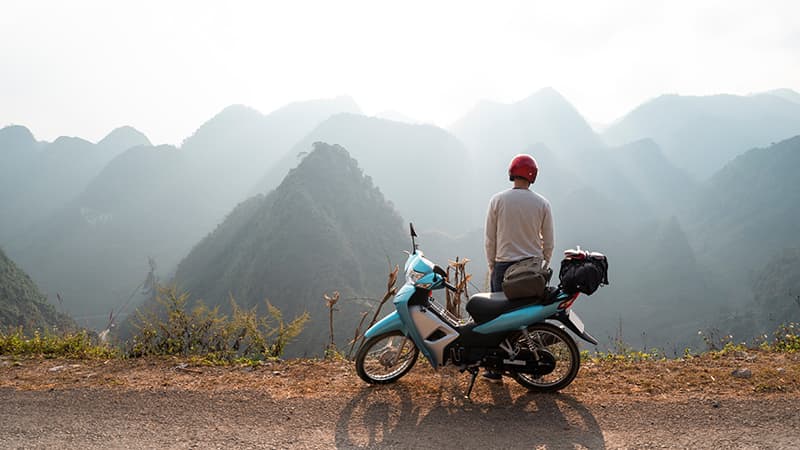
x=474 y=372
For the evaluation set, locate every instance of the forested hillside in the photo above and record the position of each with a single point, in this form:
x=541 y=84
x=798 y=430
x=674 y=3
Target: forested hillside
x=777 y=288
x=325 y=228
x=21 y=303
x=748 y=211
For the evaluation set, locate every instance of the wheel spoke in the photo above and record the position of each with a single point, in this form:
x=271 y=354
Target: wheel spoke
x=554 y=342
x=388 y=357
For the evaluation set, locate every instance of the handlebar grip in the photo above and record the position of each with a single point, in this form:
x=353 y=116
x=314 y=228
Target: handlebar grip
x=449 y=286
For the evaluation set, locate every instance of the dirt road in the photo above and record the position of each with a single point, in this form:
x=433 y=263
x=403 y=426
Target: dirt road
x=89 y=406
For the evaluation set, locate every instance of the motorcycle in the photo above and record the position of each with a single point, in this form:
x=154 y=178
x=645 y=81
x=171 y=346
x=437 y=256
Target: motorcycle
x=525 y=339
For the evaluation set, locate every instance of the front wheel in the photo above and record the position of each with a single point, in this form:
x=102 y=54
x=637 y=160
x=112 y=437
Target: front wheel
x=385 y=358
x=561 y=351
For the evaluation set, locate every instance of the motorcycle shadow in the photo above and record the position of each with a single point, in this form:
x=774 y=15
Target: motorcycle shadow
x=390 y=416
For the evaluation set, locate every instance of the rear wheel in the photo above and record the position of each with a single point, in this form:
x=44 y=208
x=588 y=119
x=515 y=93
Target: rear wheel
x=385 y=358
x=560 y=353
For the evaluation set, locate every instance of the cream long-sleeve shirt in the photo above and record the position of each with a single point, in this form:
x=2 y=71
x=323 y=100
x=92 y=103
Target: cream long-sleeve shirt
x=519 y=225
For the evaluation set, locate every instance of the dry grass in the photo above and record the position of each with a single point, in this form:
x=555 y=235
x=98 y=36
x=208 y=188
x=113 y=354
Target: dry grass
x=708 y=375
x=704 y=377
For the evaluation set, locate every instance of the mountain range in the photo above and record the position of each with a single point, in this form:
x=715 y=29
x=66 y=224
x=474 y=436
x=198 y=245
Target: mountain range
x=39 y=177
x=689 y=231
x=156 y=203
x=701 y=134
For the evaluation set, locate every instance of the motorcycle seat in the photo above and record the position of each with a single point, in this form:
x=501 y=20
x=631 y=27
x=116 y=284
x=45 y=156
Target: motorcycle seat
x=485 y=306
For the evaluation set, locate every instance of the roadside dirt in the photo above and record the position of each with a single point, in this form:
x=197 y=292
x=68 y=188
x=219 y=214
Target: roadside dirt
x=167 y=403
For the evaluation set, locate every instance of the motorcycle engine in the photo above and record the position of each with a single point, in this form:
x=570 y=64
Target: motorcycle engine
x=526 y=362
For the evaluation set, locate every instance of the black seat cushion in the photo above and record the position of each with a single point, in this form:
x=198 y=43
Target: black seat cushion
x=485 y=306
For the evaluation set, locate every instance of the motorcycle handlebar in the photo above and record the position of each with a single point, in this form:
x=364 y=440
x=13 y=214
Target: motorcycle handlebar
x=449 y=286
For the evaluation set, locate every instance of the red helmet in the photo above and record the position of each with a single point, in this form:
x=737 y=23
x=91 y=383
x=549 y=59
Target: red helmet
x=523 y=166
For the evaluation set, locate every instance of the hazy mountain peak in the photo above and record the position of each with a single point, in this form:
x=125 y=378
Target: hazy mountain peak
x=343 y=103
x=287 y=124
x=232 y=119
x=323 y=108
x=549 y=102
x=123 y=138
x=70 y=141
x=17 y=136
x=235 y=111
x=326 y=163
x=235 y=114
x=545 y=94
x=396 y=116
x=544 y=116
x=785 y=93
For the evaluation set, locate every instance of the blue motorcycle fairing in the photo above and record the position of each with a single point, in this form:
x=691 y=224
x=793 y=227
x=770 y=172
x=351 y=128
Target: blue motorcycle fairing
x=421 y=264
x=389 y=323
x=517 y=319
x=418 y=262
x=403 y=295
x=398 y=319
x=401 y=306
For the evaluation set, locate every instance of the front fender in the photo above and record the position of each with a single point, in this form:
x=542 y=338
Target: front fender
x=389 y=323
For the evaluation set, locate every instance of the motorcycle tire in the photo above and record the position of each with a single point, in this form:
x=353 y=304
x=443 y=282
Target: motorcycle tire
x=560 y=345
x=385 y=358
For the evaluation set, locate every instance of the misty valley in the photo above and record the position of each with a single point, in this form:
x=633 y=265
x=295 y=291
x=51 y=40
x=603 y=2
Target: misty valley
x=693 y=199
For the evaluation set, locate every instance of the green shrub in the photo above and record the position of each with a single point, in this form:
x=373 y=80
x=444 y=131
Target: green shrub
x=173 y=329
x=786 y=338
x=78 y=345
x=626 y=354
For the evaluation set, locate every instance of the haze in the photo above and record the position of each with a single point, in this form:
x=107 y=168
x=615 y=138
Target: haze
x=83 y=68
x=279 y=168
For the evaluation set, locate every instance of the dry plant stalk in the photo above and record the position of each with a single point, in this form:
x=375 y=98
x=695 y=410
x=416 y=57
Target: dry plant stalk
x=460 y=279
x=391 y=290
x=357 y=334
x=331 y=300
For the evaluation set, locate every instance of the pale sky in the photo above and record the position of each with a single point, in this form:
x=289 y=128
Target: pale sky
x=82 y=68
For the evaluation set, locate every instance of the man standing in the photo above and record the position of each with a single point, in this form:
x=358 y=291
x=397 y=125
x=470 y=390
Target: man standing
x=519 y=224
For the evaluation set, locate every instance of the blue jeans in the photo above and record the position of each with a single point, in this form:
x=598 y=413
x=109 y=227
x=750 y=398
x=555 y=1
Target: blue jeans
x=497 y=275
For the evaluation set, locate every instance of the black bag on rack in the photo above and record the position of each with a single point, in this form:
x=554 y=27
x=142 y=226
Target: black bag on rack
x=582 y=271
